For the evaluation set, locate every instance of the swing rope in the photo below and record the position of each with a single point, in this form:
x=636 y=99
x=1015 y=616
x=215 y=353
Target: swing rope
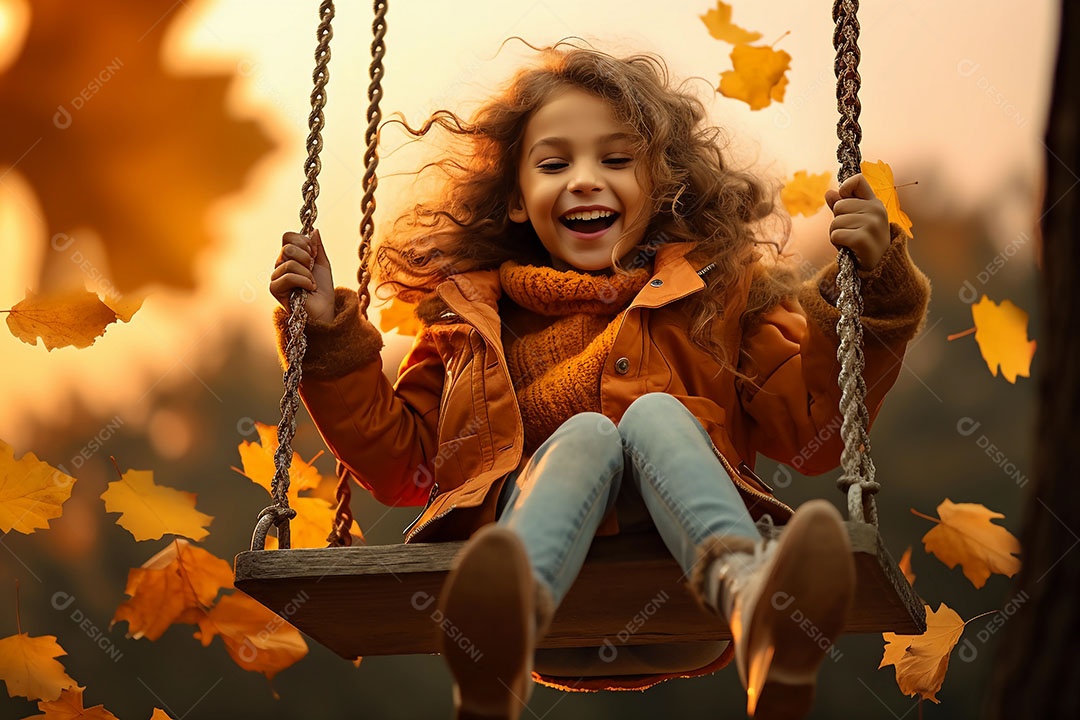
x=857 y=479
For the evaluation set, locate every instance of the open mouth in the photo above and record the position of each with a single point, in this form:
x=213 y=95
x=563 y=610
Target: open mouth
x=589 y=221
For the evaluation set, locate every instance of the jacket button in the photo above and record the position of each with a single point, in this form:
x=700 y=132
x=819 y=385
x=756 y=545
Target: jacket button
x=622 y=365
x=657 y=282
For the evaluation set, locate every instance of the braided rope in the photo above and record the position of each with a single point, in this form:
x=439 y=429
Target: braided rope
x=279 y=514
x=857 y=479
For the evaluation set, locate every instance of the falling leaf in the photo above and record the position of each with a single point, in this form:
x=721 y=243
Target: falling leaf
x=31 y=492
x=880 y=177
x=75 y=317
x=314 y=516
x=805 y=193
x=70 y=707
x=256 y=638
x=966 y=536
x=1001 y=332
x=150 y=510
x=905 y=567
x=398 y=315
x=178 y=585
x=718 y=21
x=28 y=667
x=116 y=138
x=125 y=306
x=921 y=660
x=160 y=714
x=758 y=75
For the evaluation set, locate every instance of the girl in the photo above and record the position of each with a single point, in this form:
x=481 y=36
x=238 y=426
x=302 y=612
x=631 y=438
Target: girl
x=605 y=349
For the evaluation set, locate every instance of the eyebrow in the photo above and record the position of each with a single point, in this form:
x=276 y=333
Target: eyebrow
x=558 y=141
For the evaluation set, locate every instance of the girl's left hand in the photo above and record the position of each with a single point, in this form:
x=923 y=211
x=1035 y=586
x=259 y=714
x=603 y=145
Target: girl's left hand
x=860 y=222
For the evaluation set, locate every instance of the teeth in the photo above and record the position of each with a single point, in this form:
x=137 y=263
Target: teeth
x=589 y=215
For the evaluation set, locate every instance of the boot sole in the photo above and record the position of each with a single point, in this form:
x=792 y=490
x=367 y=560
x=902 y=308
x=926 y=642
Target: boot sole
x=816 y=574
x=487 y=602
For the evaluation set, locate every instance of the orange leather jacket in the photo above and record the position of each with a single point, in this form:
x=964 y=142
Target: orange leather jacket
x=449 y=431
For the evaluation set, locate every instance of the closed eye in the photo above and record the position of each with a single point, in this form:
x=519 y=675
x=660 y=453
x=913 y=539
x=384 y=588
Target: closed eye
x=618 y=161
x=552 y=166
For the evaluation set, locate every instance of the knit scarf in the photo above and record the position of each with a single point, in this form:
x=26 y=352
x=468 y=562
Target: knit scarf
x=557 y=334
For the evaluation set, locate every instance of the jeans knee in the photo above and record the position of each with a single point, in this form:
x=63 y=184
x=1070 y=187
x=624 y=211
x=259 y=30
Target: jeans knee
x=649 y=410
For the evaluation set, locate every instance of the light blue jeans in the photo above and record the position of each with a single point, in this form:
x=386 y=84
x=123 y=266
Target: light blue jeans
x=658 y=455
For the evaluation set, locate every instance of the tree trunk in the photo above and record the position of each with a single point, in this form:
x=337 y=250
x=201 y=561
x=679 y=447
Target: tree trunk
x=1036 y=673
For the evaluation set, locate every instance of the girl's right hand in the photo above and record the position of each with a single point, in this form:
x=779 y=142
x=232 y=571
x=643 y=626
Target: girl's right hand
x=304 y=264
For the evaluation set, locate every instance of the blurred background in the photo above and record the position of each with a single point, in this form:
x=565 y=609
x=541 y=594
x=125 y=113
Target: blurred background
x=157 y=147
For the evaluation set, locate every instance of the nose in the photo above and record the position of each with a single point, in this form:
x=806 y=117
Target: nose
x=584 y=179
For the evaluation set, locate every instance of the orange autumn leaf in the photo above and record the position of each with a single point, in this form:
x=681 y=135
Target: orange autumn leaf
x=178 y=585
x=880 y=176
x=118 y=138
x=398 y=315
x=31 y=492
x=758 y=76
x=1001 y=332
x=70 y=707
x=255 y=638
x=151 y=510
x=29 y=669
x=314 y=515
x=922 y=660
x=965 y=535
x=125 y=306
x=718 y=21
x=905 y=566
x=160 y=714
x=75 y=317
x=804 y=194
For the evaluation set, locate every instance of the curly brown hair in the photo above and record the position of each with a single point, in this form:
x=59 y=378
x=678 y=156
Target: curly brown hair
x=695 y=196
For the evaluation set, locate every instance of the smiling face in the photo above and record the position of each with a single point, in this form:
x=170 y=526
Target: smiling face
x=580 y=184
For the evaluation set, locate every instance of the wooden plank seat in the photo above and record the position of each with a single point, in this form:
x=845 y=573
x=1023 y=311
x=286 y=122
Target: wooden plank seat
x=383 y=600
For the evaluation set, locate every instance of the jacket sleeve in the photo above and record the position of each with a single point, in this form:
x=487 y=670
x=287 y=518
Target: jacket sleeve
x=788 y=385
x=380 y=433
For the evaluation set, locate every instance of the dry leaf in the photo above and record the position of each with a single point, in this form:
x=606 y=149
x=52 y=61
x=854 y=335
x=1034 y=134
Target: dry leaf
x=31 y=492
x=114 y=139
x=905 y=567
x=758 y=75
x=314 y=516
x=880 y=176
x=921 y=660
x=256 y=638
x=805 y=193
x=70 y=707
x=1001 y=332
x=966 y=536
x=178 y=585
x=125 y=306
x=160 y=714
x=398 y=315
x=150 y=511
x=75 y=317
x=719 y=23
x=28 y=669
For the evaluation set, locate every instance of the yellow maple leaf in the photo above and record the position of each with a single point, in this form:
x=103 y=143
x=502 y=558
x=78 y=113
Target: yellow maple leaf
x=255 y=638
x=31 y=492
x=98 y=136
x=922 y=660
x=314 y=515
x=74 y=317
x=804 y=194
x=150 y=510
x=178 y=585
x=757 y=77
x=718 y=21
x=965 y=535
x=28 y=667
x=399 y=315
x=1001 y=332
x=905 y=566
x=70 y=707
x=880 y=176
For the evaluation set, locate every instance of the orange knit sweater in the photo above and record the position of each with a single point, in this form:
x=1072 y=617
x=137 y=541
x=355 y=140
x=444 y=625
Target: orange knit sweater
x=557 y=331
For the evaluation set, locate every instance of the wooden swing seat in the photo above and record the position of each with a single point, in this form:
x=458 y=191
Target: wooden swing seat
x=383 y=600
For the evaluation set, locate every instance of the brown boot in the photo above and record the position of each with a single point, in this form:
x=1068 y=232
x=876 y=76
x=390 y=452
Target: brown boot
x=786 y=601
x=494 y=614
